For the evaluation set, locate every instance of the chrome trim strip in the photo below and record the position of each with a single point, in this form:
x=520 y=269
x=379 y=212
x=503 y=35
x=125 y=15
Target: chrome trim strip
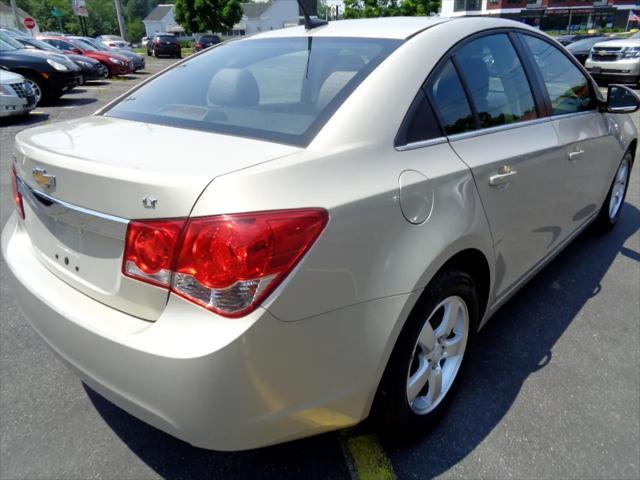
x=421 y=144
x=499 y=128
x=48 y=208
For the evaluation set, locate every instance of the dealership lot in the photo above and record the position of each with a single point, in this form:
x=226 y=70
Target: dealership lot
x=552 y=390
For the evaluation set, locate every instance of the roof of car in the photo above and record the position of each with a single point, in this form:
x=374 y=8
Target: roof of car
x=399 y=28
x=385 y=27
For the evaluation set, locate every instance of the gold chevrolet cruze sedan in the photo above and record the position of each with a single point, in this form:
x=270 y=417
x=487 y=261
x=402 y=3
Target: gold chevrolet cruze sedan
x=308 y=226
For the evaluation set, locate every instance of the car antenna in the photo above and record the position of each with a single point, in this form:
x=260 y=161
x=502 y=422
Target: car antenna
x=309 y=22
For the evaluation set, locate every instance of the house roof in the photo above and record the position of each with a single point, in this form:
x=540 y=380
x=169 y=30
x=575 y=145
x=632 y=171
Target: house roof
x=255 y=9
x=159 y=13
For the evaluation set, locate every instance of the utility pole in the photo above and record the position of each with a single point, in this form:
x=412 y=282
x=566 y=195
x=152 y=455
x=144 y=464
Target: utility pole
x=121 y=24
x=14 y=7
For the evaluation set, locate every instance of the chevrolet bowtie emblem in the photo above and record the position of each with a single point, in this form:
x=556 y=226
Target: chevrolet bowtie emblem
x=43 y=179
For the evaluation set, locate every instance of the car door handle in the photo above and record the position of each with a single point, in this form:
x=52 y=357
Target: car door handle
x=505 y=175
x=575 y=155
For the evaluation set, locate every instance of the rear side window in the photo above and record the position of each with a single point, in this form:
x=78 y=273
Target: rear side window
x=496 y=80
x=567 y=86
x=279 y=89
x=420 y=123
x=450 y=101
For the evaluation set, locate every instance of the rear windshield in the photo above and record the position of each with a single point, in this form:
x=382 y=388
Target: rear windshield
x=281 y=90
x=167 y=38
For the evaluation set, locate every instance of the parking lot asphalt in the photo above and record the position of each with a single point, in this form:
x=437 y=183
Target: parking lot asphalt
x=553 y=389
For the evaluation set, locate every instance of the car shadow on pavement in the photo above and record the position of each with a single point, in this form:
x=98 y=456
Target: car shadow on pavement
x=25 y=120
x=73 y=102
x=317 y=457
x=520 y=338
x=516 y=343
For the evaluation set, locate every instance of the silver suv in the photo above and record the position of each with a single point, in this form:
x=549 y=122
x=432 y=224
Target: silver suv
x=616 y=60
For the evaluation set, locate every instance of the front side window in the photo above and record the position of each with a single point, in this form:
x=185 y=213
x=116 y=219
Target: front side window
x=281 y=89
x=567 y=86
x=450 y=101
x=497 y=82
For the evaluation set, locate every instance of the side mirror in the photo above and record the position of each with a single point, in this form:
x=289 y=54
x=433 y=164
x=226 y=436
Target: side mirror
x=621 y=99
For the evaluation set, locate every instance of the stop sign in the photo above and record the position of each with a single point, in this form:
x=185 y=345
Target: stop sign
x=29 y=23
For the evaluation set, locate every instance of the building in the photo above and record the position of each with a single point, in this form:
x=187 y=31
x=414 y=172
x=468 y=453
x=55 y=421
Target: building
x=7 y=19
x=161 y=20
x=549 y=14
x=269 y=15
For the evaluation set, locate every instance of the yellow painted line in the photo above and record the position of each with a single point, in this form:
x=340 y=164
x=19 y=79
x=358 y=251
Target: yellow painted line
x=366 y=458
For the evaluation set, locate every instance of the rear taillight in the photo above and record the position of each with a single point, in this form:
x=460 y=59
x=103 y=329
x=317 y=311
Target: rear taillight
x=157 y=41
x=228 y=263
x=150 y=250
x=17 y=196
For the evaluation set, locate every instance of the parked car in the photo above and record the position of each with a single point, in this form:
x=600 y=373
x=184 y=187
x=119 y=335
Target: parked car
x=616 y=61
x=569 y=39
x=164 y=44
x=205 y=41
x=89 y=68
x=49 y=75
x=582 y=48
x=16 y=95
x=117 y=64
x=137 y=61
x=115 y=42
x=293 y=236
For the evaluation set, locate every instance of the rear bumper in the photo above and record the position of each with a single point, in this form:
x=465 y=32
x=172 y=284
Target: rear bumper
x=162 y=50
x=216 y=383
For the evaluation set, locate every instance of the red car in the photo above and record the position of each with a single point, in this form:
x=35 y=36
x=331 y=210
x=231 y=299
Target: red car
x=117 y=64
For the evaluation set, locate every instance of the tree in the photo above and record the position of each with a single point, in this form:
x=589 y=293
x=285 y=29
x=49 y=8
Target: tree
x=208 y=15
x=388 y=8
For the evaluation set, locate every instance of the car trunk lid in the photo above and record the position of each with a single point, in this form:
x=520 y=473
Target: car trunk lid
x=83 y=180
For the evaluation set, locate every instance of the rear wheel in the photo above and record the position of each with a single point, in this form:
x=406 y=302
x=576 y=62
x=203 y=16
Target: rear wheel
x=430 y=355
x=610 y=211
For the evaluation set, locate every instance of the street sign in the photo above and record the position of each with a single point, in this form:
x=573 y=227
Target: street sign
x=29 y=23
x=57 y=12
x=80 y=8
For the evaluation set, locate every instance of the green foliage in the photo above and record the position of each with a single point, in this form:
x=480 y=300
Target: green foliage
x=208 y=15
x=389 y=8
x=102 y=18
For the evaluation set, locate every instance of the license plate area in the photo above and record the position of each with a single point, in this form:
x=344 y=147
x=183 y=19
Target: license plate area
x=75 y=243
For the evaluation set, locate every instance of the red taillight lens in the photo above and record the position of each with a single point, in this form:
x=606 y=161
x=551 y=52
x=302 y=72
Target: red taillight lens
x=17 y=196
x=150 y=250
x=227 y=263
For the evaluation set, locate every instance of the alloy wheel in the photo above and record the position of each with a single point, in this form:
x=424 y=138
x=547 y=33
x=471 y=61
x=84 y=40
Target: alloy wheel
x=618 y=189
x=36 y=89
x=437 y=355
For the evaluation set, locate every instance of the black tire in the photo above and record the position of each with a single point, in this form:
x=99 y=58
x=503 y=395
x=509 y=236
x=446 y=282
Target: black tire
x=148 y=52
x=605 y=221
x=392 y=412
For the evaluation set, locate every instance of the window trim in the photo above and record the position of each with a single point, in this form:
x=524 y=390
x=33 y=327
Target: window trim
x=400 y=139
x=538 y=91
x=593 y=91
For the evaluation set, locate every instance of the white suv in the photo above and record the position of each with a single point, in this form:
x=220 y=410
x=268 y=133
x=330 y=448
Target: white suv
x=616 y=60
